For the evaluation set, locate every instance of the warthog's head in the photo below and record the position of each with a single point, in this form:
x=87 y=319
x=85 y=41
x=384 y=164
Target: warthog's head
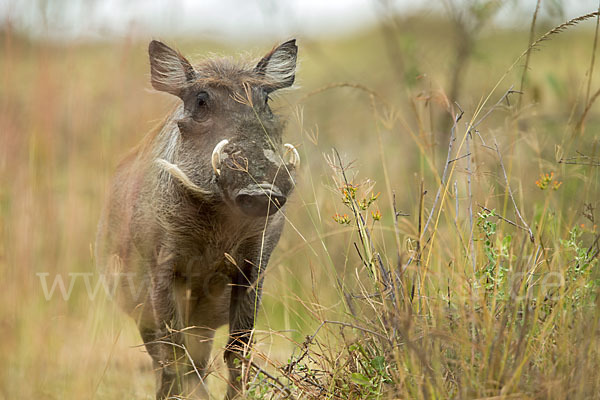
x=229 y=143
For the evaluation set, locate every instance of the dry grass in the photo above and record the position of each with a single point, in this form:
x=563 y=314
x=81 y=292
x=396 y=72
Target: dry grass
x=523 y=325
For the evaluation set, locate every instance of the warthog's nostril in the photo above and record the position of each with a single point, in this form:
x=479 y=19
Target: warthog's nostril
x=259 y=202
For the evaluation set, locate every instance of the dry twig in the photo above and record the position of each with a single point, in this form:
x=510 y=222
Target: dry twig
x=510 y=194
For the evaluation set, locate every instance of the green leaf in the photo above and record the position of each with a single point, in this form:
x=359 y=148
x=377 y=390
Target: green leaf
x=378 y=363
x=360 y=379
x=506 y=241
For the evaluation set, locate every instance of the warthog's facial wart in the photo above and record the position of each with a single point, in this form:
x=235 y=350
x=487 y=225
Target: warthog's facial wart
x=271 y=156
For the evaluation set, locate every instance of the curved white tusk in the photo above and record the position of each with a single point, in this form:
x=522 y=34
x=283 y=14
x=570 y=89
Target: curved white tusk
x=295 y=157
x=215 y=158
x=178 y=174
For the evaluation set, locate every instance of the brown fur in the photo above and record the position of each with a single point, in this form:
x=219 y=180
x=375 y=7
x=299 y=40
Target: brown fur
x=184 y=262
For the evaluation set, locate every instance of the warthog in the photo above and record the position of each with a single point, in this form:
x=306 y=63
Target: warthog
x=195 y=210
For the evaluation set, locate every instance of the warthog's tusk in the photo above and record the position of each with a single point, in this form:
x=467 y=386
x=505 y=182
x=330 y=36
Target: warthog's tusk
x=215 y=158
x=178 y=174
x=295 y=156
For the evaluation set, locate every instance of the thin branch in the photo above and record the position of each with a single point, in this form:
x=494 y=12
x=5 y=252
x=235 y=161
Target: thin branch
x=576 y=160
x=504 y=97
x=456 y=209
x=460 y=158
x=485 y=146
x=510 y=194
x=282 y=387
x=593 y=164
x=289 y=368
x=502 y=218
x=468 y=139
x=422 y=193
x=360 y=255
x=442 y=181
x=595 y=243
x=449 y=161
x=590 y=102
x=360 y=328
x=396 y=229
x=397 y=232
x=187 y=354
x=342 y=85
x=445 y=173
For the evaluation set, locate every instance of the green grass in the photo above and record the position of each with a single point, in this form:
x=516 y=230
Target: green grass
x=523 y=324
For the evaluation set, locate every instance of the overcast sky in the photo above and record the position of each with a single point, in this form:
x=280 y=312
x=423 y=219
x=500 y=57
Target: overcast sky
x=232 y=19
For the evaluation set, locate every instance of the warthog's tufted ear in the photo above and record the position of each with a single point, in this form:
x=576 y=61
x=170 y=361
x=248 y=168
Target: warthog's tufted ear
x=170 y=71
x=279 y=65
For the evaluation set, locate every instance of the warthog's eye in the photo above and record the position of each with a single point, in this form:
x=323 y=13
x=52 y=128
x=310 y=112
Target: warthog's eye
x=267 y=99
x=202 y=99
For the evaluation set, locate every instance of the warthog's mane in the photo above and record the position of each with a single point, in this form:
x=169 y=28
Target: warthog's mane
x=234 y=73
x=228 y=73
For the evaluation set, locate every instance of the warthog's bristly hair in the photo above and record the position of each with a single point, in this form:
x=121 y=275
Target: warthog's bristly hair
x=163 y=149
x=167 y=73
x=280 y=64
x=166 y=141
x=226 y=72
x=170 y=70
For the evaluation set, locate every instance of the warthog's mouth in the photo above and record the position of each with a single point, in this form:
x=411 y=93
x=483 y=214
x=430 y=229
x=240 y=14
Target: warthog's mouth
x=259 y=200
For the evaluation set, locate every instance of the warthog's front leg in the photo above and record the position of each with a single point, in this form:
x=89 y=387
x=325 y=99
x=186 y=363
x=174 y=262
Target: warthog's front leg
x=245 y=299
x=160 y=329
x=246 y=293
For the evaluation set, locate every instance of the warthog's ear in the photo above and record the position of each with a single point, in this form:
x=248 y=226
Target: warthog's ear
x=279 y=65
x=170 y=71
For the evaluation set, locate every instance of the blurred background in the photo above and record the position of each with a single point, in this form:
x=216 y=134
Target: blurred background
x=379 y=80
x=235 y=21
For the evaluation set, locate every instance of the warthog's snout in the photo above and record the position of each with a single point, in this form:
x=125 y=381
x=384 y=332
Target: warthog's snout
x=260 y=200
